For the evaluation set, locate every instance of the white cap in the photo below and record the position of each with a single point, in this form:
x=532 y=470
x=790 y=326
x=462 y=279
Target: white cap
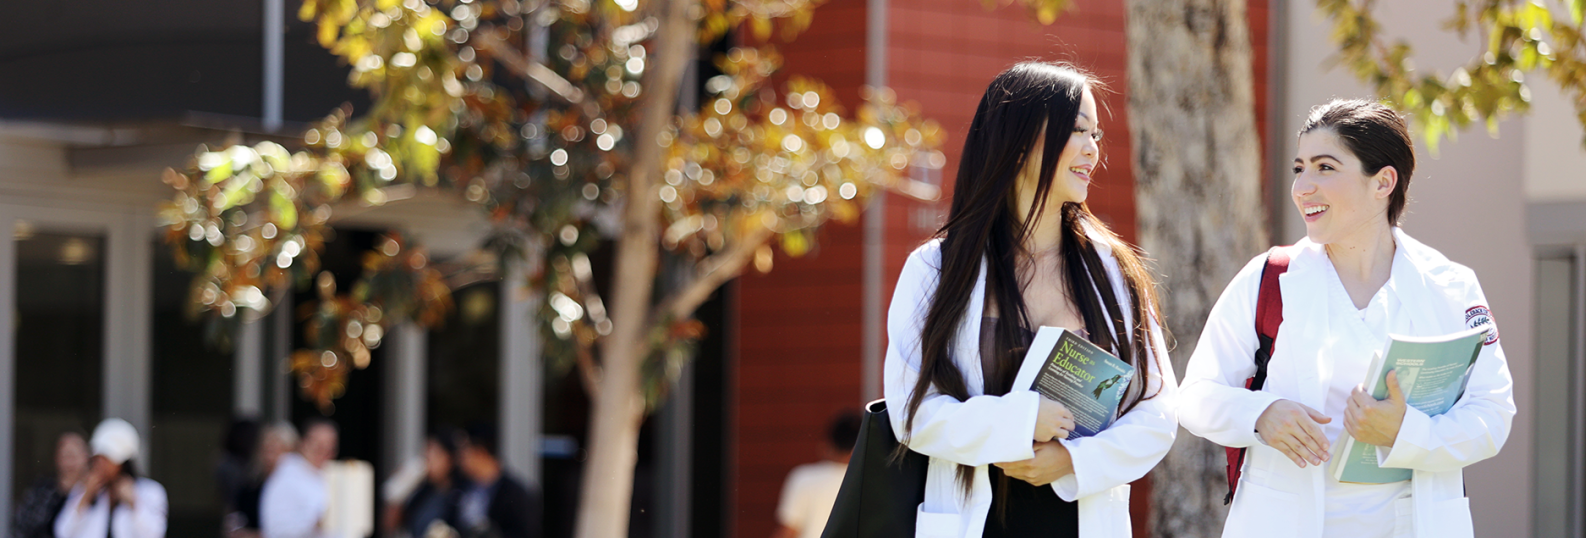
x=116 y=440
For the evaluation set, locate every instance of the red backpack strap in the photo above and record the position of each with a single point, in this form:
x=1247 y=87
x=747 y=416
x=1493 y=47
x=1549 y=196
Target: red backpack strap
x=1269 y=315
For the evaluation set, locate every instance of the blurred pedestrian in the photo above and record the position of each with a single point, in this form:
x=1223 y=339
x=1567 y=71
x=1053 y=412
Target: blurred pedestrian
x=495 y=503
x=431 y=510
x=811 y=489
x=276 y=441
x=295 y=496
x=235 y=469
x=113 y=500
x=35 y=517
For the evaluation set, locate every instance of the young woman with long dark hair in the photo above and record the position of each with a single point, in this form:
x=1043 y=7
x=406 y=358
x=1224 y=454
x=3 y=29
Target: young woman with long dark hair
x=1020 y=250
x=1353 y=280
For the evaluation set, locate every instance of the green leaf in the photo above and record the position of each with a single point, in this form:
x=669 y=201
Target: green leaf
x=285 y=210
x=1577 y=11
x=236 y=192
x=223 y=171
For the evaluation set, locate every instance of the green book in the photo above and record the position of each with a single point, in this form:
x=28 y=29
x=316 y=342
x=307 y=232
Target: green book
x=1068 y=369
x=1433 y=372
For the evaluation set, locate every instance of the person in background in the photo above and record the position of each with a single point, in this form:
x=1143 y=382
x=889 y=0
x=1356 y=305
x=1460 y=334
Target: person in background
x=234 y=471
x=436 y=499
x=494 y=503
x=295 y=496
x=35 y=516
x=277 y=440
x=113 y=500
x=811 y=489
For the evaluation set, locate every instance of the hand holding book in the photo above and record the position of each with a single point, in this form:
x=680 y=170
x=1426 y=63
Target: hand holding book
x=1052 y=421
x=1373 y=421
x=1070 y=372
x=1428 y=373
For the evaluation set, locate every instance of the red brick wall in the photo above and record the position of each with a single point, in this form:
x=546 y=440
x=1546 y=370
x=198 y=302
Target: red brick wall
x=799 y=340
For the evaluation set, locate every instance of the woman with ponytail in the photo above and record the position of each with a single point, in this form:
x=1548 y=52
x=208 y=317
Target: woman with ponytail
x=1020 y=250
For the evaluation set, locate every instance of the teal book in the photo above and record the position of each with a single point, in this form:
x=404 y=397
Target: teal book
x=1433 y=372
x=1068 y=369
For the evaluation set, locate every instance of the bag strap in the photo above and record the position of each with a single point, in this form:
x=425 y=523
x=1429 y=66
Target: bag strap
x=1269 y=315
x=1269 y=312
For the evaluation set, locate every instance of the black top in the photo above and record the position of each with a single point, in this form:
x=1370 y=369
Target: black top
x=1019 y=509
x=514 y=511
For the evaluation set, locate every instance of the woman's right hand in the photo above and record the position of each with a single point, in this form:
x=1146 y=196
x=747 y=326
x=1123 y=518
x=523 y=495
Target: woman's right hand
x=1052 y=421
x=1296 y=431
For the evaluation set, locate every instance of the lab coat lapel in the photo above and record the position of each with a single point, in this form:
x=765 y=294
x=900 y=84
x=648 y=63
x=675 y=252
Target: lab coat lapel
x=1307 y=319
x=1426 y=309
x=967 y=343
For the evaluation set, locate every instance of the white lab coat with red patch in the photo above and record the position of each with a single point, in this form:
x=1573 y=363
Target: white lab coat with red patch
x=1277 y=498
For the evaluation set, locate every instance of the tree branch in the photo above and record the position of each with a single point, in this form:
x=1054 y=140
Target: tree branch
x=714 y=271
x=491 y=43
x=588 y=371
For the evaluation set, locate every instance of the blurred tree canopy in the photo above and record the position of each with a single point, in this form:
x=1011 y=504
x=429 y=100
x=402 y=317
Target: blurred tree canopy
x=532 y=111
x=1523 y=38
x=562 y=121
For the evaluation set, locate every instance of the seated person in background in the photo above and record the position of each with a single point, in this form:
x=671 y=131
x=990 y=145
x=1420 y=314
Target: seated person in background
x=35 y=516
x=494 y=503
x=295 y=497
x=430 y=511
x=811 y=489
x=277 y=440
x=113 y=500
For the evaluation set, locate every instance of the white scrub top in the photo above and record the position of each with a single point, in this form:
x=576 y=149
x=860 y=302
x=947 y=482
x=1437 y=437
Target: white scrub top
x=1358 y=510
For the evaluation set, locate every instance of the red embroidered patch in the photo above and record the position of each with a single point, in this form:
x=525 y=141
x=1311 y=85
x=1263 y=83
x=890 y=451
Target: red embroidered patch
x=1479 y=315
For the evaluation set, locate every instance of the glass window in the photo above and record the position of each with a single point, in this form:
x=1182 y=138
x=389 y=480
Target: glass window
x=464 y=370
x=191 y=402
x=60 y=309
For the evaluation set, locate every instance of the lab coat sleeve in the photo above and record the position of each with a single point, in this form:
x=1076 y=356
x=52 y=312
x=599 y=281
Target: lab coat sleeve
x=978 y=431
x=1213 y=400
x=72 y=518
x=149 y=513
x=1474 y=429
x=1135 y=443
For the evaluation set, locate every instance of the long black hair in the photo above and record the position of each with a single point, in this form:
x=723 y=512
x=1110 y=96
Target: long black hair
x=984 y=223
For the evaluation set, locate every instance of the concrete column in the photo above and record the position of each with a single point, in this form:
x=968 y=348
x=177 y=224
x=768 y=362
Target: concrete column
x=406 y=346
x=8 y=318
x=281 y=381
x=247 y=384
x=875 y=300
x=674 y=498
x=274 y=63
x=128 y=324
x=521 y=376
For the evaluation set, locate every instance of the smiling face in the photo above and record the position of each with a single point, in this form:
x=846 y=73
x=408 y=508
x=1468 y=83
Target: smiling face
x=1074 y=166
x=1334 y=194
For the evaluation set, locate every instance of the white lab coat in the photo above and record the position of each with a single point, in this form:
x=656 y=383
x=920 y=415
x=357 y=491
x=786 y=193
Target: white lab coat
x=145 y=519
x=992 y=429
x=293 y=500
x=1276 y=497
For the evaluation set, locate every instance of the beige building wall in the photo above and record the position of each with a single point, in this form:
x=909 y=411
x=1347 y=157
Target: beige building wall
x=1470 y=201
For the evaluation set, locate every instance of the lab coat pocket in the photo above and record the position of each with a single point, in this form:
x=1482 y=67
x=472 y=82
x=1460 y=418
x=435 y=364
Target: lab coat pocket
x=1262 y=511
x=936 y=525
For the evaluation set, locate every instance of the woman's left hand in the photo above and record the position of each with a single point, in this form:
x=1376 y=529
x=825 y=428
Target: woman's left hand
x=1050 y=463
x=1374 y=421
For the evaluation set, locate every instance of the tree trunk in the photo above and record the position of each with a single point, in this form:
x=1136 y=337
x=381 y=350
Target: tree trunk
x=615 y=417
x=1198 y=191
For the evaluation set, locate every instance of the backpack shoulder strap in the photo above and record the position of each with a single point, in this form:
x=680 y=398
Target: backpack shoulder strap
x=1269 y=315
x=1269 y=311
